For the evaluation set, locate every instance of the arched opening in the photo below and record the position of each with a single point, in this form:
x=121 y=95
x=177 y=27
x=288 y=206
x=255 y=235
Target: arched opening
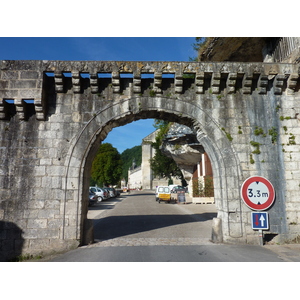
x=209 y=134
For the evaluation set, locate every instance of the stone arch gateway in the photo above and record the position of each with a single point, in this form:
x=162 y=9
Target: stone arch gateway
x=54 y=115
x=123 y=112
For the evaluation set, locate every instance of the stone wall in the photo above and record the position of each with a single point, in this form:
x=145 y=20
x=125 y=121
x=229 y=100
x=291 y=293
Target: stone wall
x=135 y=178
x=54 y=115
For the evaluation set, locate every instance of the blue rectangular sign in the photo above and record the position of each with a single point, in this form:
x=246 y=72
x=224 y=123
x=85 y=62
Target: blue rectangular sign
x=260 y=220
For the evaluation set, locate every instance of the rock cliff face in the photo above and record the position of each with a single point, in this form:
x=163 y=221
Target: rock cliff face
x=246 y=49
x=251 y=49
x=182 y=145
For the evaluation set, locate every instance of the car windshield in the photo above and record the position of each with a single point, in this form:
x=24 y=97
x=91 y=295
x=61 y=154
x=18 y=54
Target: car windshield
x=163 y=189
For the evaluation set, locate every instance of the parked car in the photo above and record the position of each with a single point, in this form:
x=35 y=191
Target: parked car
x=106 y=190
x=171 y=186
x=101 y=193
x=178 y=187
x=112 y=192
x=93 y=198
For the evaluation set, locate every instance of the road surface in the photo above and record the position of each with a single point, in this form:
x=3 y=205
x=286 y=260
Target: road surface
x=136 y=228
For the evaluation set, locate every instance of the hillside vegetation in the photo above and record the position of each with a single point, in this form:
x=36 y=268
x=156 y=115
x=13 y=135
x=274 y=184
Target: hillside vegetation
x=127 y=158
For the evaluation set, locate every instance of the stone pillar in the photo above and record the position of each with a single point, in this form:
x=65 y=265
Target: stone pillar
x=157 y=82
x=58 y=79
x=137 y=83
x=20 y=108
x=94 y=82
x=146 y=170
x=200 y=83
x=76 y=81
x=231 y=82
x=116 y=82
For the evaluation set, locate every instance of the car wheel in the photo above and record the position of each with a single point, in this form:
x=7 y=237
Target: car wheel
x=100 y=199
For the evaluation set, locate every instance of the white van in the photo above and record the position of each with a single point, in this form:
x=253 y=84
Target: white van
x=163 y=193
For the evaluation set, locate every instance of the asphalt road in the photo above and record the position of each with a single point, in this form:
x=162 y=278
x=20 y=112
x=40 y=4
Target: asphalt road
x=136 y=228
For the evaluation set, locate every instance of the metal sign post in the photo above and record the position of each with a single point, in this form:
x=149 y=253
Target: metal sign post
x=260 y=222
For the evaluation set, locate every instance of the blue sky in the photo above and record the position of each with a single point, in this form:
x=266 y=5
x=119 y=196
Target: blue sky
x=103 y=48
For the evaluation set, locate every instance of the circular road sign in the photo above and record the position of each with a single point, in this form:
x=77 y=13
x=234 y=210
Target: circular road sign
x=258 y=193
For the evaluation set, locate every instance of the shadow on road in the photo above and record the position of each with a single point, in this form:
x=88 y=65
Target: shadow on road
x=117 y=226
x=105 y=204
x=140 y=194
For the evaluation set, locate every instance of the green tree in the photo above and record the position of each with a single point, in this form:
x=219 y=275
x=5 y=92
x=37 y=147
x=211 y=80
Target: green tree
x=197 y=46
x=107 y=166
x=162 y=165
x=127 y=157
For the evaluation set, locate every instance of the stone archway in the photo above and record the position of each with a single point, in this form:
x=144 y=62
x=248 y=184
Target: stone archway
x=226 y=168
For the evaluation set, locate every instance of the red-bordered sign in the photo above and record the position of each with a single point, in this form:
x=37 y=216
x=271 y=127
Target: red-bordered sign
x=258 y=193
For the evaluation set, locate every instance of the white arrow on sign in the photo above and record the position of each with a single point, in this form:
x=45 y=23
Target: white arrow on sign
x=262 y=220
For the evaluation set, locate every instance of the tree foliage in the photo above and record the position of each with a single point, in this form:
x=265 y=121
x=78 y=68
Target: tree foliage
x=107 y=166
x=127 y=157
x=198 y=46
x=162 y=165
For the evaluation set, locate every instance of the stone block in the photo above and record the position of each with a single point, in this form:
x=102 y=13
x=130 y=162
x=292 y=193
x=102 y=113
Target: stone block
x=30 y=233
x=71 y=208
x=72 y=218
x=48 y=213
x=70 y=232
x=217 y=234
x=292 y=184
x=9 y=75
x=36 y=204
x=39 y=244
x=72 y=183
x=56 y=182
x=54 y=170
x=36 y=223
x=46 y=182
x=31 y=214
x=63 y=245
x=22 y=84
x=294 y=228
x=3 y=85
x=55 y=223
x=52 y=204
x=45 y=161
x=29 y=75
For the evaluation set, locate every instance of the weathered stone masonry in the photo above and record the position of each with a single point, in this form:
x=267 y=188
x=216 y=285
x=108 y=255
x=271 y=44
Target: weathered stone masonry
x=54 y=115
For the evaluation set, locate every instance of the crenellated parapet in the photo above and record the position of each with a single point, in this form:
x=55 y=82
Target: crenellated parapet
x=23 y=82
